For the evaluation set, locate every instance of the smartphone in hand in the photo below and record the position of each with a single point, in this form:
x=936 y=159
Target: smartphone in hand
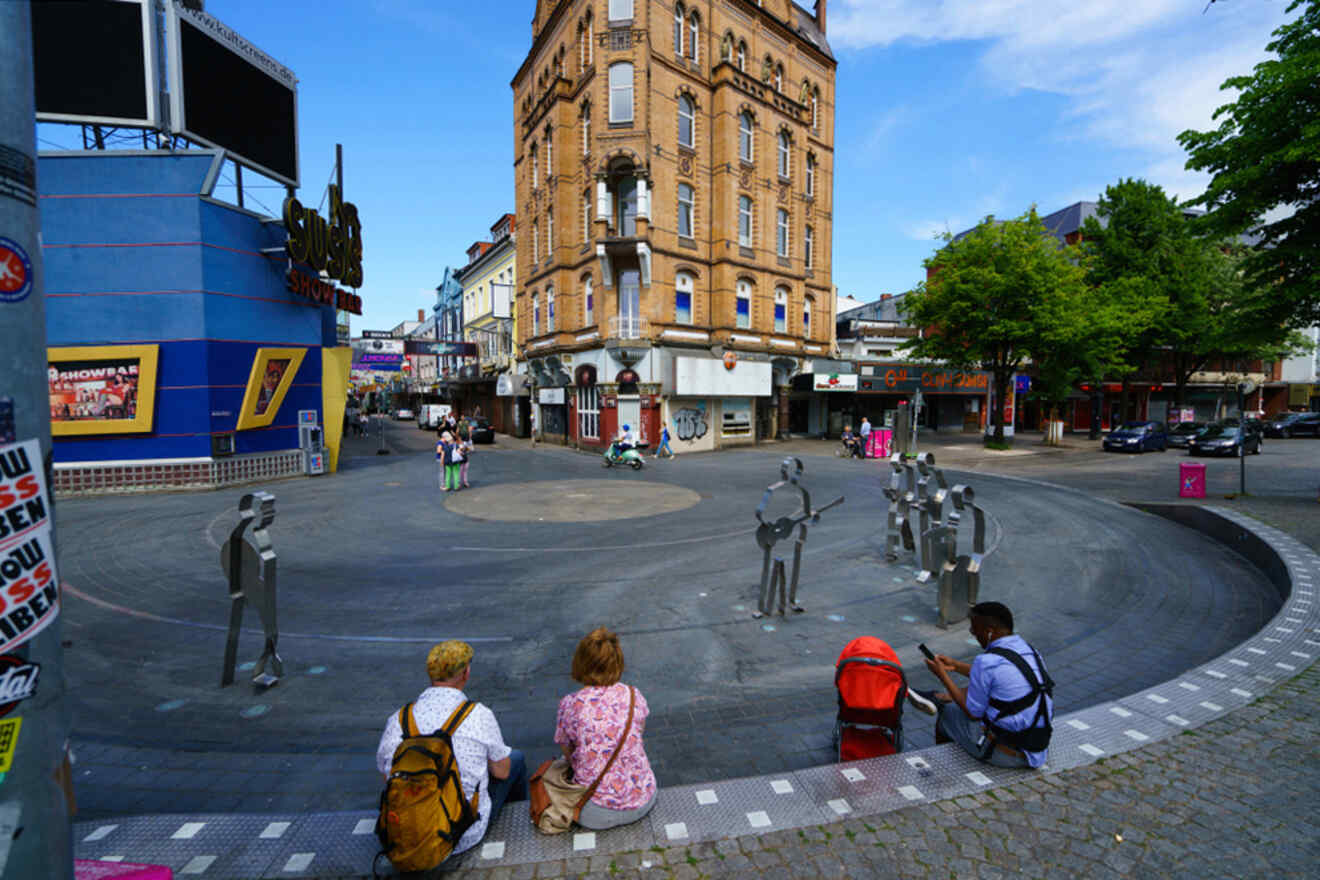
x=926 y=651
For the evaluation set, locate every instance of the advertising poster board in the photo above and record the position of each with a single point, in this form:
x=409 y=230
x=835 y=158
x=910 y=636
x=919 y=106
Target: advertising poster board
x=29 y=584
x=272 y=375
x=101 y=389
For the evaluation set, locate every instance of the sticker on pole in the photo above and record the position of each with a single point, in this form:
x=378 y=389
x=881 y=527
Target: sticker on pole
x=15 y=272
x=29 y=584
x=18 y=681
x=8 y=742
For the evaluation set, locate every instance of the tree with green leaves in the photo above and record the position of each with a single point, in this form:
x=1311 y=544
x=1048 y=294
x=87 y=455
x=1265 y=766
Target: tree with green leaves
x=1265 y=162
x=996 y=297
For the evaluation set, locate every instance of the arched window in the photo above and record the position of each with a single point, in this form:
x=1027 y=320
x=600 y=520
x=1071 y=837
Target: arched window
x=536 y=315
x=621 y=92
x=685 y=199
x=694 y=36
x=807 y=305
x=549 y=232
x=549 y=153
x=781 y=309
x=623 y=186
x=588 y=302
x=811 y=175
x=683 y=298
x=678 y=29
x=808 y=247
x=536 y=243
x=549 y=309
x=815 y=108
x=586 y=216
x=785 y=154
x=745 y=136
x=781 y=232
x=779 y=78
x=687 y=121
x=742 y=56
x=586 y=130
x=590 y=43
x=744 y=221
x=743 y=315
x=535 y=156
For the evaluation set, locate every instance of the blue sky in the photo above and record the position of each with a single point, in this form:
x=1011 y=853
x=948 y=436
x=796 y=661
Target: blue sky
x=948 y=110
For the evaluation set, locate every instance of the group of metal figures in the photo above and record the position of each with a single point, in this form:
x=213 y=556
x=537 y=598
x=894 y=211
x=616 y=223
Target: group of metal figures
x=934 y=540
x=920 y=521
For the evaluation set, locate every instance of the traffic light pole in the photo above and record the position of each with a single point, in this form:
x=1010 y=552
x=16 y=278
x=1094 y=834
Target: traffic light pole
x=36 y=787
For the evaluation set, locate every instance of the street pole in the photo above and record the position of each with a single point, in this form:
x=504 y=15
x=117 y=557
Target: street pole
x=35 y=797
x=1242 y=441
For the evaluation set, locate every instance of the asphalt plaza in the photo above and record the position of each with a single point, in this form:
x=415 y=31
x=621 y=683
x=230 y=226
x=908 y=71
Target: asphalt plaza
x=376 y=564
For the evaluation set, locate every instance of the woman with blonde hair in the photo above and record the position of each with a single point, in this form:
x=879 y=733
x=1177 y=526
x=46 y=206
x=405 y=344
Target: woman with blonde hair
x=591 y=724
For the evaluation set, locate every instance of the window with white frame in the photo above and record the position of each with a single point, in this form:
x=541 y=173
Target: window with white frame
x=744 y=221
x=806 y=316
x=694 y=34
x=808 y=246
x=742 y=56
x=745 y=136
x=621 y=92
x=535 y=155
x=779 y=78
x=678 y=28
x=685 y=200
x=550 y=232
x=781 y=232
x=811 y=175
x=536 y=315
x=687 y=121
x=588 y=302
x=588 y=410
x=536 y=243
x=781 y=310
x=586 y=130
x=549 y=153
x=591 y=52
x=549 y=309
x=785 y=154
x=743 y=315
x=621 y=10
x=815 y=108
x=683 y=285
x=586 y=217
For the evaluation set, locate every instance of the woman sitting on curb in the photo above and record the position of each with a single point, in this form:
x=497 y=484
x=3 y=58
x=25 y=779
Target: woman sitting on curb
x=588 y=729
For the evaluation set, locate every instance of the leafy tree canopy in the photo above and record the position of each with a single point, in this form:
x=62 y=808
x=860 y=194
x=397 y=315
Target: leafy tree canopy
x=1265 y=160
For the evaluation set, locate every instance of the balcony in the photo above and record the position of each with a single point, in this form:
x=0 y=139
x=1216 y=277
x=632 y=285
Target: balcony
x=625 y=327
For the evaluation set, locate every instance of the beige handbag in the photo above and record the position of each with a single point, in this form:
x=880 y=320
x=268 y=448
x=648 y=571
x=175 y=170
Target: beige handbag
x=556 y=800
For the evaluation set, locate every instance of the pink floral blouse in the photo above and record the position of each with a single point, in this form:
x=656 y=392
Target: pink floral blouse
x=590 y=722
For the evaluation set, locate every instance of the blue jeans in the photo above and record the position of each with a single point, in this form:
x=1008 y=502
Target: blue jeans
x=954 y=723
x=511 y=788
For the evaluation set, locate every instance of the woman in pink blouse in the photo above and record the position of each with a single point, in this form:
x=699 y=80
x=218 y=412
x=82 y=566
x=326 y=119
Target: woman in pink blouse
x=588 y=728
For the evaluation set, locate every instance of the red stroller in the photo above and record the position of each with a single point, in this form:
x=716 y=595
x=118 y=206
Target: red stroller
x=872 y=689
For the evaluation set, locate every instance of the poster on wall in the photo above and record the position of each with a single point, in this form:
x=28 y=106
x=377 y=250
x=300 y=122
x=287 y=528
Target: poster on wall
x=105 y=389
x=736 y=417
x=269 y=381
x=29 y=585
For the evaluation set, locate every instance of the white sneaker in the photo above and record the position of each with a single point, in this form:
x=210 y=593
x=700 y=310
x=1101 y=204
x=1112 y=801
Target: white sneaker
x=921 y=702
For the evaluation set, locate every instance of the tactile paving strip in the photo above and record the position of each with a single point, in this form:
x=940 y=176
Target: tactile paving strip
x=310 y=845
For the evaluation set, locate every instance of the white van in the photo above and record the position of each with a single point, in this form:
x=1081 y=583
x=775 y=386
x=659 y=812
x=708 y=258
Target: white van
x=429 y=415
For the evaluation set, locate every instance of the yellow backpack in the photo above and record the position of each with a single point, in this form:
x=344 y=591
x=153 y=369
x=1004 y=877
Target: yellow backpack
x=422 y=811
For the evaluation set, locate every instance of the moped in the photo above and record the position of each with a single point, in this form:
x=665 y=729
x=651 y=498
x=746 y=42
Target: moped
x=631 y=457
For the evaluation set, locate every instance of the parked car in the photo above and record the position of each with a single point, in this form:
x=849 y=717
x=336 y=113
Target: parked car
x=1222 y=439
x=1136 y=437
x=1294 y=424
x=403 y=414
x=482 y=432
x=1182 y=432
x=1254 y=425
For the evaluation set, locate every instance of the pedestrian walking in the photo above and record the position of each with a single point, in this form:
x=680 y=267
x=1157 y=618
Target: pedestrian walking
x=864 y=430
x=465 y=444
x=449 y=454
x=664 y=442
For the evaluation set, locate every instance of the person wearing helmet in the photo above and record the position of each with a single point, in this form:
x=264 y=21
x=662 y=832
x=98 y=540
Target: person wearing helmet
x=626 y=440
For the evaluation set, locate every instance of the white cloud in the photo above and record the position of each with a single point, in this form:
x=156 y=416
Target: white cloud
x=1135 y=74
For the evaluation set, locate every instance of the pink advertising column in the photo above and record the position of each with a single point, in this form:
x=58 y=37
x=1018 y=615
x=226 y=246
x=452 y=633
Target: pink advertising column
x=1191 y=479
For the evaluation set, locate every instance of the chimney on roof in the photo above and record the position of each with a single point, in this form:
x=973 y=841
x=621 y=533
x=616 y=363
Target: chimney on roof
x=820 y=15
x=420 y=316
x=885 y=296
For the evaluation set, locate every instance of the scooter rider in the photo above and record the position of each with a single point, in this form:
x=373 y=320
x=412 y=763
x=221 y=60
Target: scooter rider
x=625 y=441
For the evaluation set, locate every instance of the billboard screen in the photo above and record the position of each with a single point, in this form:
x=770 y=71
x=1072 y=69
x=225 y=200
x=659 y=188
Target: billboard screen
x=102 y=389
x=227 y=93
x=94 y=61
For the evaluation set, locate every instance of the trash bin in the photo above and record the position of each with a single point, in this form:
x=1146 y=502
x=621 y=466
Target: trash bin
x=1191 y=479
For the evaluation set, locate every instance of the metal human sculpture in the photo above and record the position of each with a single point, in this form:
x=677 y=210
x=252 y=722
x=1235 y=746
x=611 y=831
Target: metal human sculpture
x=965 y=587
x=769 y=533
x=251 y=572
x=931 y=511
x=898 y=507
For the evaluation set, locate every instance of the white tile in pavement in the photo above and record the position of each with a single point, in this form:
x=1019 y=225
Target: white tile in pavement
x=1120 y=711
x=1188 y=686
x=852 y=774
x=187 y=831
x=840 y=806
x=707 y=796
x=298 y=862
x=274 y=831
x=676 y=830
x=110 y=859
x=100 y=833
x=492 y=849
x=1091 y=750
x=1177 y=719
x=1137 y=735
x=1246 y=695
x=198 y=865
x=364 y=826
x=758 y=819
x=584 y=840
x=911 y=792
x=1078 y=724
x=781 y=786
x=978 y=777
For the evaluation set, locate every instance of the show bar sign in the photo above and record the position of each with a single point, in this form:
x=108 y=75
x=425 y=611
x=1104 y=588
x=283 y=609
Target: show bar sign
x=334 y=248
x=29 y=585
x=322 y=292
x=423 y=346
x=907 y=378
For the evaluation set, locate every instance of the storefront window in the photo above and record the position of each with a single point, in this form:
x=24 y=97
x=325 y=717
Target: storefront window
x=588 y=410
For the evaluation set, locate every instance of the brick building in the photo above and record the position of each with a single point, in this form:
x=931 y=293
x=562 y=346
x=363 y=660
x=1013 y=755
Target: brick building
x=674 y=181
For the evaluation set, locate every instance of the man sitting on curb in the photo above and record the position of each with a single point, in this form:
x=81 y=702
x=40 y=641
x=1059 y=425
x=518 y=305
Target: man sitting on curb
x=1005 y=715
x=483 y=759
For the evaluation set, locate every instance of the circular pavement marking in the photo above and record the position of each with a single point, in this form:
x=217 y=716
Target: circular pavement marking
x=567 y=501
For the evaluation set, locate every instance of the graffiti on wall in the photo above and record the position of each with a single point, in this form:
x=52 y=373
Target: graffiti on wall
x=691 y=423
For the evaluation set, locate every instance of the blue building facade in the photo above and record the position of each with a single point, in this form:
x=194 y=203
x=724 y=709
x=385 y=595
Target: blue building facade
x=449 y=312
x=137 y=253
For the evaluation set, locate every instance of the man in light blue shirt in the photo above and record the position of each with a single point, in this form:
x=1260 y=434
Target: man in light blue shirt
x=1005 y=715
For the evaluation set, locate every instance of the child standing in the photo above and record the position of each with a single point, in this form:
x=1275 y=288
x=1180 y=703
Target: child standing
x=464 y=445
